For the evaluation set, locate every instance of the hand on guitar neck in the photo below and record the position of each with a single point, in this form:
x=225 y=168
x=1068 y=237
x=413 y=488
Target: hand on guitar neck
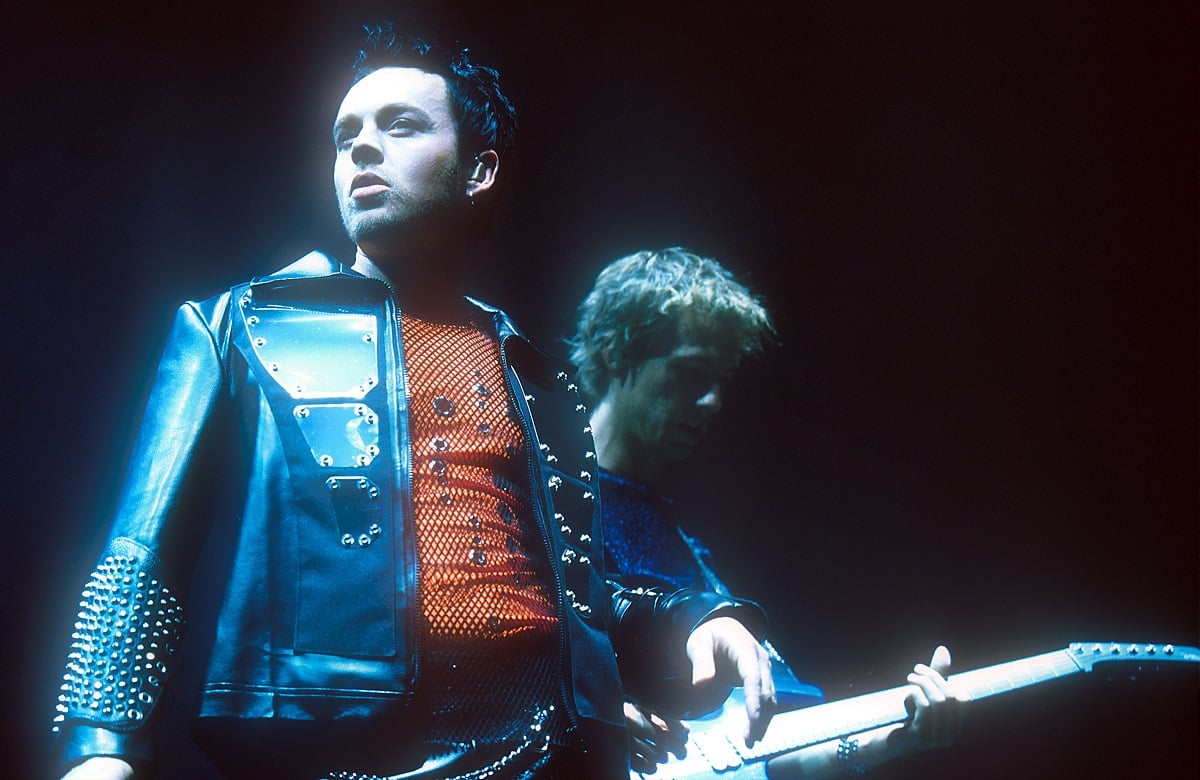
x=936 y=712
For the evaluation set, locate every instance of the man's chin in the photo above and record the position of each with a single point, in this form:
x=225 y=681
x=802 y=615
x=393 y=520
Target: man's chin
x=379 y=235
x=376 y=237
x=680 y=450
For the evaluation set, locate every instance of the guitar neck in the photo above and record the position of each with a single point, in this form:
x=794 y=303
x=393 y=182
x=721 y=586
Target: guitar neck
x=719 y=747
x=797 y=729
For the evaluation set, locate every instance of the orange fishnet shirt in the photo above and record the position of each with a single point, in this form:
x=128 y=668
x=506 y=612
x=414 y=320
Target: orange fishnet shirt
x=478 y=553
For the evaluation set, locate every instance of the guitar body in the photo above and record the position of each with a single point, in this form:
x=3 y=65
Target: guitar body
x=709 y=744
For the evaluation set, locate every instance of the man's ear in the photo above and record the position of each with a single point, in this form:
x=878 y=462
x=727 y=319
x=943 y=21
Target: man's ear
x=483 y=174
x=618 y=373
x=609 y=363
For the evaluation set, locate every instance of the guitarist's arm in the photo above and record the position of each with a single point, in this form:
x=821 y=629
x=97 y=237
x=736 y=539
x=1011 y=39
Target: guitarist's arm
x=684 y=650
x=937 y=714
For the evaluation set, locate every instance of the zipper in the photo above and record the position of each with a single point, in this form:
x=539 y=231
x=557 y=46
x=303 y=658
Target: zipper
x=518 y=397
x=404 y=469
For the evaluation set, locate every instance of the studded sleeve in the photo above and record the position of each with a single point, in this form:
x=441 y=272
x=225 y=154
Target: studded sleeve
x=122 y=652
x=130 y=621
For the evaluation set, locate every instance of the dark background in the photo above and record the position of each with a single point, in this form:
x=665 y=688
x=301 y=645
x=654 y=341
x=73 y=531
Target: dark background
x=977 y=231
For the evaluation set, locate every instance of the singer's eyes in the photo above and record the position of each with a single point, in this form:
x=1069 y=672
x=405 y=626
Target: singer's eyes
x=398 y=124
x=402 y=126
x=344 y=135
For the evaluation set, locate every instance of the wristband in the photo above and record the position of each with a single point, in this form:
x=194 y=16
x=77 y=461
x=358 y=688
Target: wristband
x=848 y=761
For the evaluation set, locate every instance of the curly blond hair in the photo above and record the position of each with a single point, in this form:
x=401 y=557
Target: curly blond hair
x=634 y=310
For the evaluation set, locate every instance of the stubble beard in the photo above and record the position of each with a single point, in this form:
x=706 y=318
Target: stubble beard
x=402 y=225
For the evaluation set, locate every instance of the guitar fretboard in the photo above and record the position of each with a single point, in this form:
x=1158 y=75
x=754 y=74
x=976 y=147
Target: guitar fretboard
x=720 y=748
x=797 y=729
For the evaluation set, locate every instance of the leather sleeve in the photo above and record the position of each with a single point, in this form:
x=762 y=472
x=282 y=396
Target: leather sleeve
x=130 y=620
x=649 y=632
x=123 y=649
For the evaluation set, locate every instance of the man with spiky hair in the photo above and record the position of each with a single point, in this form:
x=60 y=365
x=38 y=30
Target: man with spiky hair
x=657 y=339
x=415 y=578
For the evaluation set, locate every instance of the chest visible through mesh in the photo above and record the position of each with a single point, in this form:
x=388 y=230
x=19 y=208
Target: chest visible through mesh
x=486 y=592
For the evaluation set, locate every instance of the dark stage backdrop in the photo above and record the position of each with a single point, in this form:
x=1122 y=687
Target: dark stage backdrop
x=975 y=224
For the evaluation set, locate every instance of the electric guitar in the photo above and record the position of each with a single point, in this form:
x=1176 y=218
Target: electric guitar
x=715 y=744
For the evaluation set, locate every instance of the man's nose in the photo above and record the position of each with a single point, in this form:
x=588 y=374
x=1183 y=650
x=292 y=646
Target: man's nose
x=712 y=398
x=365 y=149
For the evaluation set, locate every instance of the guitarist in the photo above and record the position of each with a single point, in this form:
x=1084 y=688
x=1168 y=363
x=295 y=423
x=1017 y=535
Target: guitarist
x=657 y=338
